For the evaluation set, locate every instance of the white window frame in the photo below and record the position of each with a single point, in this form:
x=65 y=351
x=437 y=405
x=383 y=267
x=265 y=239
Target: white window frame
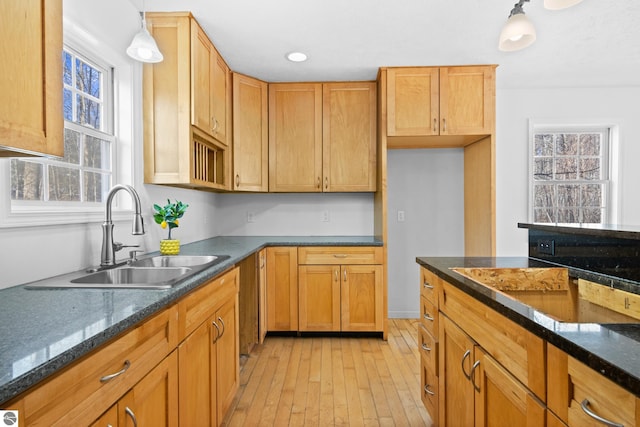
x=19 y=214
x=610 y=215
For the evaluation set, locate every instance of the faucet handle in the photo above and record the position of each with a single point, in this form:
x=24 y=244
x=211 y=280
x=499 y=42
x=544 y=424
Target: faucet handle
x=118 y=245
x=133 y=256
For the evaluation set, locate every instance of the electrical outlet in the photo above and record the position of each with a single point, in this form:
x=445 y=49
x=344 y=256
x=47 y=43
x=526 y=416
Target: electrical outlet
x=325 y=216
x=547 y=247
x=400 y=216
x=251 y=216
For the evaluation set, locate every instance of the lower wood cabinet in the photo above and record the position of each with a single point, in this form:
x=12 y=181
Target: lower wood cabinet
x=282 y=288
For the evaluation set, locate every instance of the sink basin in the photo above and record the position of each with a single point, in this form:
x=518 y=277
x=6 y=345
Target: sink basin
x=134 y=277
x=550 y=291
x=176 y=261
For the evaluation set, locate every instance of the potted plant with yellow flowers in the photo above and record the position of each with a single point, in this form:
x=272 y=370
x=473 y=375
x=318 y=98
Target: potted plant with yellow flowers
x=167 y=216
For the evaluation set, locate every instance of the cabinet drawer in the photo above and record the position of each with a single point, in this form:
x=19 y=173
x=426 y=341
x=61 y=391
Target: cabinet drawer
x=605 y=398
x=428 y=346
x=340 y=255
x=199 y=305
x=521 y=352
x=429 y=316
x=429 y=284
x=82 y=392
x=429 y=391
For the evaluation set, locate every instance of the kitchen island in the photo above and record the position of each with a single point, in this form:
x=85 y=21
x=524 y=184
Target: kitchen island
x=43 y=331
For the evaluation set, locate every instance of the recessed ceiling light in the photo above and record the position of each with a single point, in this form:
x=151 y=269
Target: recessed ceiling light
x=296 y=57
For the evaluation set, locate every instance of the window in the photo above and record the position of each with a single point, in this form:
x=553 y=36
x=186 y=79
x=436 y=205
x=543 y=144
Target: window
x=84 y=174
x=571 y=178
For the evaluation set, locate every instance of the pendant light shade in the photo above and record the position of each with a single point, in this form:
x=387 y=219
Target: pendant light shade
x=143 y=47
x=559 y=4
x=517 y=33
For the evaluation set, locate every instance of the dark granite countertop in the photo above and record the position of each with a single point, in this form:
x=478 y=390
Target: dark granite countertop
x=612 y=350
x=44 y=330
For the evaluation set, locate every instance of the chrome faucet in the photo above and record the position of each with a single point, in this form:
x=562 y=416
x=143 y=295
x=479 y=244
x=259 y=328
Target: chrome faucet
x=109 y=247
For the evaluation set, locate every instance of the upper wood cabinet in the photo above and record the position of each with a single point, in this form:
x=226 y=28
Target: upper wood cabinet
x=322 y=137
x=251 y=134
x=31 y=121
x=186 y=138
x=211 y=88
x=454 y=104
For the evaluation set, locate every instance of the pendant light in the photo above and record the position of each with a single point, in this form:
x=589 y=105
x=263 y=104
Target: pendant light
x=143 y=47
x=518 y=32
x=559 y=4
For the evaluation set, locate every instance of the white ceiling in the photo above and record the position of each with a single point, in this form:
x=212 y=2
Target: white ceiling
x=596 y=43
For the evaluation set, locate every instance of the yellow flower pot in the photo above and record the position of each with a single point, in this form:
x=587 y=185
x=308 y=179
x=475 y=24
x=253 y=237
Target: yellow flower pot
x=170 y=247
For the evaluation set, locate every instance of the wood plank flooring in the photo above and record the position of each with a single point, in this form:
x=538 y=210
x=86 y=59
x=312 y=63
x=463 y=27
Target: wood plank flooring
x=325 y=381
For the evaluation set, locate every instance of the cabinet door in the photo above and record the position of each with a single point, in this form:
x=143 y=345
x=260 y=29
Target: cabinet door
x=227 y=356
x=349 y=136
x=501 y=400
x=31 y=86
x=220 y=97
x=108 y=419
x=467 y=100
x=456 y=405
x=154 y=400
x=282 y=289
x=251 y=134
x=262 y=295
x=202 y=79
x=362 y=305
x=197 y=378
x=319 y=298
x=295 y=137
x=412 y=101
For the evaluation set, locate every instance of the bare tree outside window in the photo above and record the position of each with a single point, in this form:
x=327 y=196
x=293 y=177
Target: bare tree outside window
x=84 y=174
x=570 y=176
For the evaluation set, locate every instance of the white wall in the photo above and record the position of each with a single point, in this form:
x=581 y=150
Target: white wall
x=428 y=186
x=515 y=107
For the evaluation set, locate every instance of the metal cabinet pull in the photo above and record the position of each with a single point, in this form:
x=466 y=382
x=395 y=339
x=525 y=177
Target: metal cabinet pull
x=466 y=354
x=237 y=180
x=340 y=255
x=106 y=378
x=585 y=407
x=319 y=182
x=215 y=325
x=223 y=326
x=444 y=125
x=428 y=317
x=131 y=415
x=326 y=183
x=344 y=273
x=435 y=125
x=335 y=274
x=473 y=380
x=427 y=285
x=425 y=348
x=429 y=392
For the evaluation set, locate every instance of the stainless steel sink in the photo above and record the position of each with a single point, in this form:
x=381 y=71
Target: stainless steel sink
x=134 y=277
x=175 y=261
x=156 y=272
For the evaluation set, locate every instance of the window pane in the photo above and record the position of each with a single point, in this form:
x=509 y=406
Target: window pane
x=71 y=147
x=591 y=195
x=96 y=185
x=543 y=145
x=567 y=144
x=97 y=153
x=568 y=195
x=590 y=169
x=566 y=168
x=592 y=216
x=67 y=104
x=590 y=144
x=88 y=79
x=64 y=184
x=544 y=195
x=568 y=215
x=543 y=169
x=26 y=180
x=544 y=215
x=88 y=112
x=66 y=68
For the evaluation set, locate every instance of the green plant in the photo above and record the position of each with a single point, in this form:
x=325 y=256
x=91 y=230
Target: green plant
x=168 y=215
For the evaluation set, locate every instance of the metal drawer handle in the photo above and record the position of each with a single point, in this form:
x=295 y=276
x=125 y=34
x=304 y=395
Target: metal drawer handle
x=340 y=255
x=472 y=375
x=237 y=180
x=435 y=124
x=132 y=416
x=585 y=407
x=223 y=327
x=466 y=354
x=428 y=317
x=425 y=348
x=444 y=125
x=215 y=325
x=429 y=392
x=427 y=285
x=106 y=378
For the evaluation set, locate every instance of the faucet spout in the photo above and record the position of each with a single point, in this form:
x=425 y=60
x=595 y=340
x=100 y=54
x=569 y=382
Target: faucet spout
x=108 y=254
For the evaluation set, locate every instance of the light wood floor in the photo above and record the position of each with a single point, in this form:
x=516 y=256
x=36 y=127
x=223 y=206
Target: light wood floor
x=325 y=381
